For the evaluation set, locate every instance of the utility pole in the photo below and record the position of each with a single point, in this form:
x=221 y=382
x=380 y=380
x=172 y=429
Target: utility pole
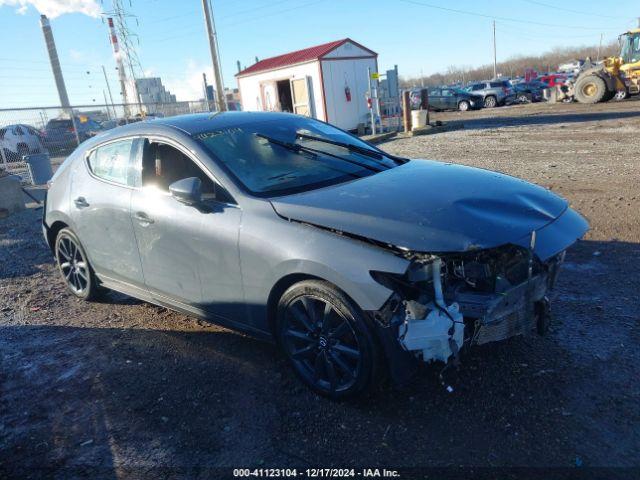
x=215 y=60
x=495 y=61
x=106 y=104
x=371 y=106
x=55 y=62
x=106 y=80
x=599 y=48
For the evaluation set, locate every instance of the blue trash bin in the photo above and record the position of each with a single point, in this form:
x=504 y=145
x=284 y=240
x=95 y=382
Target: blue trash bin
x=39 y=167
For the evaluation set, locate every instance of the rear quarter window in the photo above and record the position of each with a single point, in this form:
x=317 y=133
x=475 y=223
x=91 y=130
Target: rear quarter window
x=111 y=162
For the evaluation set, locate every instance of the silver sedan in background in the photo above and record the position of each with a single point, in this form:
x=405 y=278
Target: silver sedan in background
x=287 y=228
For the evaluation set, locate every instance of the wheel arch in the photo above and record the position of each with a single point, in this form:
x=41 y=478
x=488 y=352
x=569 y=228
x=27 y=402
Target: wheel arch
x=52 y=232
x=278 y=289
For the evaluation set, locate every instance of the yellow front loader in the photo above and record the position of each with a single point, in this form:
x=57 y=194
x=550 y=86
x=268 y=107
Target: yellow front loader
x=616 y=77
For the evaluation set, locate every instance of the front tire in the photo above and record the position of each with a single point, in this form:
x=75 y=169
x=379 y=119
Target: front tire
x=74 y=266
x=490 y=102
x=463 y=106
x=327 y=340
x=590 y=89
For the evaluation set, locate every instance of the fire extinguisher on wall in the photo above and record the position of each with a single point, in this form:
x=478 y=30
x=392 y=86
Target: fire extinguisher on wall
x=347 y=93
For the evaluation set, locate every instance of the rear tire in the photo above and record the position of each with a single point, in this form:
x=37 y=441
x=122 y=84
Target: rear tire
x=523 y=98
x=463 y=106
x=327 y=340
x=590 y=89
x=490 y=102
x=74 y=266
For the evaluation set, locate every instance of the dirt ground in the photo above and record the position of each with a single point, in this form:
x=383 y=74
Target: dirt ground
x=123 y=388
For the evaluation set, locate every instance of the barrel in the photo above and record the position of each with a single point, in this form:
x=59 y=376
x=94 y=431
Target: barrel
x=39 y=167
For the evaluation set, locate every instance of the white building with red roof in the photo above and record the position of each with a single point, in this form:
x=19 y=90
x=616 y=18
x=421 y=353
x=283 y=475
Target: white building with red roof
x=328 y=82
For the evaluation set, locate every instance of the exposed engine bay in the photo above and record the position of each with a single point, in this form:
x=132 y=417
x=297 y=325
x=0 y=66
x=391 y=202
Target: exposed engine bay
x=444 y=302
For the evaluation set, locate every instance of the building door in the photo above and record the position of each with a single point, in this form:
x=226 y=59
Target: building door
x=301 y=94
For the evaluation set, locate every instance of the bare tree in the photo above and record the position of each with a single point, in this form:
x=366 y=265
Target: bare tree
x=512 y=67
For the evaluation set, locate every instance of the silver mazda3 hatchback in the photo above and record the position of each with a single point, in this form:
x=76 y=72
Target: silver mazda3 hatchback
x=288 y=228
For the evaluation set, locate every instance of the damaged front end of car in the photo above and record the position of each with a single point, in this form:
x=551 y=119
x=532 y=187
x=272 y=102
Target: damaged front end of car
x=444 y=302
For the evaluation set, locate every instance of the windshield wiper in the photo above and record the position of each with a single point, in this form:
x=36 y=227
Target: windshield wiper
x=297 y=148
x=348 y=146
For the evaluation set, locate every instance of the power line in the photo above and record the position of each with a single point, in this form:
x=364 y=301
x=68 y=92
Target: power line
x=555 y=7
x=506 y=19
x=246 y=20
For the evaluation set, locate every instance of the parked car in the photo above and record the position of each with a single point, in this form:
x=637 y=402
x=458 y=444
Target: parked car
x=529 y=91
x=553 y=79
x=290 y=229
x=494 y=93
x=19 y=140
x=446 y=98
x=60 y=136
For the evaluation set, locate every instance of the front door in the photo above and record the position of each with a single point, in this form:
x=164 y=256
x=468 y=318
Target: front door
x=301 y=95
x=189 y=253
x=449 y=98
x=101 y=190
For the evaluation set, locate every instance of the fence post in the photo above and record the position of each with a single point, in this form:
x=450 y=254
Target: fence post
x=4 y=159
x=406 y=110
x=75 y=127
x=424 y=101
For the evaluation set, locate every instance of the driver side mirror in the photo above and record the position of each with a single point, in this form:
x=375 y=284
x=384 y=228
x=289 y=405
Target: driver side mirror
x=187 y=190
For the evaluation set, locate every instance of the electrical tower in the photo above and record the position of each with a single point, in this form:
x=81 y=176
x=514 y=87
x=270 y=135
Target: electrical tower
x=126 y=56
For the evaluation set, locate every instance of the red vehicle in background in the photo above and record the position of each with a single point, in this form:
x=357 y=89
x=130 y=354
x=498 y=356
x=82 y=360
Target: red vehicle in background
x=553 y=79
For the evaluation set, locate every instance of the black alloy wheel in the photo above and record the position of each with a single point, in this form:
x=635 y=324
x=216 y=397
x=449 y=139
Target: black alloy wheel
x=326 y=339
x=74 y=266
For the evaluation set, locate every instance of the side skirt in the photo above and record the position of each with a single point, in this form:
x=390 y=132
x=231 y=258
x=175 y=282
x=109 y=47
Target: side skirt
x=172 y=304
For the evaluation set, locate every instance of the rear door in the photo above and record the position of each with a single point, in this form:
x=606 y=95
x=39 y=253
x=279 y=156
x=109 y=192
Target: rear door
x=100 y=191
x=435 y=98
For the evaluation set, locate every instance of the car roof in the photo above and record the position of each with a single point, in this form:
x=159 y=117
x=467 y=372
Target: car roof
x=195 y=123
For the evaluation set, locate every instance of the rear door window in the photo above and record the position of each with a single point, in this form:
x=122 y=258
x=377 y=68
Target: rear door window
x=112 y=162
x=478 y=86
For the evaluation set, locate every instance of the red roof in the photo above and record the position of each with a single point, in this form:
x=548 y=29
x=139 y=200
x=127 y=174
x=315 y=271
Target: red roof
x=299 y=56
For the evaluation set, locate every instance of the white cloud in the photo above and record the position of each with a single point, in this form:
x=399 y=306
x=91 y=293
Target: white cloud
x=189 y=86
x=55 y=8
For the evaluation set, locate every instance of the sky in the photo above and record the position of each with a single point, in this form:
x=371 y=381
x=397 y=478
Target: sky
x=420 y=36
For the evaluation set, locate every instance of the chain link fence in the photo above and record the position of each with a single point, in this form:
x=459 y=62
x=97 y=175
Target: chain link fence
x=57 y=131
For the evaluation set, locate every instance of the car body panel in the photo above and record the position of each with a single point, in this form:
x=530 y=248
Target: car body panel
x=272 y=248
x=406 y=207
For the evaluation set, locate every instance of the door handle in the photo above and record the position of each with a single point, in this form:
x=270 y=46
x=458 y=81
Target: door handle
x=143 y=218
x=81 y=202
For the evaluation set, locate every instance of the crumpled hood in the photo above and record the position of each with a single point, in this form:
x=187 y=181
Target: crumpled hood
x=429 y=206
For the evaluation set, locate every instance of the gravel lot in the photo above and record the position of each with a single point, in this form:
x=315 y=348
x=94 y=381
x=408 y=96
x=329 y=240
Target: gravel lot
x=132 y=388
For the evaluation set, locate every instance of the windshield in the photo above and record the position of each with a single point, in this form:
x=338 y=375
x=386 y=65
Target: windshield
x=630 y=48
x=281 y=156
